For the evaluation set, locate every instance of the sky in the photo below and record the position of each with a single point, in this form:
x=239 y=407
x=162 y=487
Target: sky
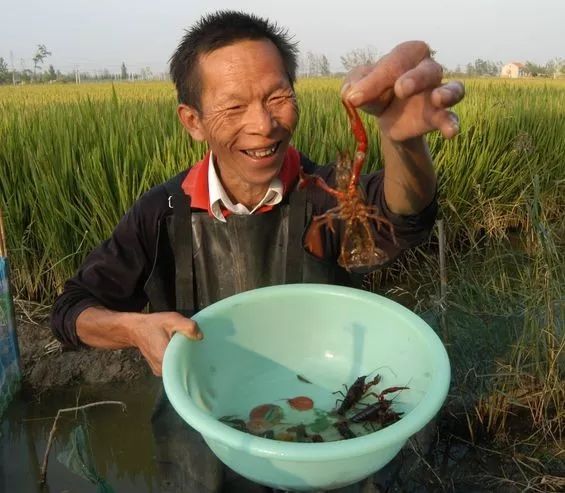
x=93 y=35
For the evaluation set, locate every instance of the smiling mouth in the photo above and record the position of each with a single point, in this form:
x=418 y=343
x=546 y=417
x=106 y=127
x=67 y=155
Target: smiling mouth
x=262 y=153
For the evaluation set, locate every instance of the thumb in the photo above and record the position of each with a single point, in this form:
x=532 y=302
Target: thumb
x=184 y=325
x=350 y=91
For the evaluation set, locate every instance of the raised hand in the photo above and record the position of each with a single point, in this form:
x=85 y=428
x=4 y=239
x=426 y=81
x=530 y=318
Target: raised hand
x=404 y=90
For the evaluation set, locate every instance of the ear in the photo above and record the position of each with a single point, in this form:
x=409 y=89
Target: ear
x=190 y=119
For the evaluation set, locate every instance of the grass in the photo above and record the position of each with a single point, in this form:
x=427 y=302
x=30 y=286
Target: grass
x=505 y=335
x=74 y=158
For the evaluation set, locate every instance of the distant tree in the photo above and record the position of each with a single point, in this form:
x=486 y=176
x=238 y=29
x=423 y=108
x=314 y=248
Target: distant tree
x=66 y=78
x=27 y=75
x=324 y=66
x=311 y=64
x=146 y=73
x=456 y=72
x=359 y=56
x=551 y=68
x=124 y=72
x=536 y=70
x=40 y=55
x=482 y=68
x=51 y=74
x=558 y=66
x=4 y=72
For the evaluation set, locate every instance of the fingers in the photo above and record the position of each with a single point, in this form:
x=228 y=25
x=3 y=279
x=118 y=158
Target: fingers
x=448 y=94
x=443 y=97
x=154 y=334
x=426 y=75
x=383 y=76
x=186 y=326
x=446 y=122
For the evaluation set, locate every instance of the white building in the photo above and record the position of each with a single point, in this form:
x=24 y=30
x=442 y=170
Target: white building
x=514 y=70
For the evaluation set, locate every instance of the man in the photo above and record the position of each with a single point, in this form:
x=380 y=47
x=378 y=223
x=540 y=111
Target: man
x=236 y=220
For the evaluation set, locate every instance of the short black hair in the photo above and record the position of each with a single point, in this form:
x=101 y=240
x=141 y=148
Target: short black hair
x=219 y=29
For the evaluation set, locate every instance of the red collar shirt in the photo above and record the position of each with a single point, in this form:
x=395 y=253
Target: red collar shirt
x=204 y=188
x=220 y=202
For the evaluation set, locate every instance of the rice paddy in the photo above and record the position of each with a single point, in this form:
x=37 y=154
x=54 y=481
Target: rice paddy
x=73 y=159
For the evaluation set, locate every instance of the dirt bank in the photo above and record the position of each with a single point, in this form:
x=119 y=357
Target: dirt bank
x=45 y=365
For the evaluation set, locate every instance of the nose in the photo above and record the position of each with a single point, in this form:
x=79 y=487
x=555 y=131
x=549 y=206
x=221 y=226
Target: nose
x=261 y=120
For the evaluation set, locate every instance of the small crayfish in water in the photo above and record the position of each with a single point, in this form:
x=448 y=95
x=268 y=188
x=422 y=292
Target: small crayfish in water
x=358 y=246
x=381 y=411
x=355 y=393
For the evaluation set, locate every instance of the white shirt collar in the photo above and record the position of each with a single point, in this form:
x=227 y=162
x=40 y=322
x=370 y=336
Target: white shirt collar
x=219 y=197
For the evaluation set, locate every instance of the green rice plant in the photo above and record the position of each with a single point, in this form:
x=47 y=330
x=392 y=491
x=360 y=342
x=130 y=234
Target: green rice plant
x=74 y=158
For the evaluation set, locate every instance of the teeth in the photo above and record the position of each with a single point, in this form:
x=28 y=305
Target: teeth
x=269 y=151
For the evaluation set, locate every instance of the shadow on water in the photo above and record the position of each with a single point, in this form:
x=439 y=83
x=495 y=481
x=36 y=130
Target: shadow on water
x=122 y=443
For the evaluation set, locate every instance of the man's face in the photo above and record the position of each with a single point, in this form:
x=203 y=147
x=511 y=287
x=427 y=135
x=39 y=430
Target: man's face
x=248 y=111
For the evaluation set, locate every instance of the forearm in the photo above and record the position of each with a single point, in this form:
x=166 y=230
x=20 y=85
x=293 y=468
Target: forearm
x=107 y=329
x=409 y=175
x=149 y=332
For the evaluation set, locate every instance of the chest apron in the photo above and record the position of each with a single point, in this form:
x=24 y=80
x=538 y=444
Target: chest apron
x=210 y=260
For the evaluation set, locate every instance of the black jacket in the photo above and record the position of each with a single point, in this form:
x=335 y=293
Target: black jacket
x=115 y=273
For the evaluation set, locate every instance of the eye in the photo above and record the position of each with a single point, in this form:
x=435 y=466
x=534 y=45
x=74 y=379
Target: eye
x=276 y=100
x=236 y=107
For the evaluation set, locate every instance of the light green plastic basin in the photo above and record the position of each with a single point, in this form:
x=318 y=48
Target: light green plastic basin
x=255 y=345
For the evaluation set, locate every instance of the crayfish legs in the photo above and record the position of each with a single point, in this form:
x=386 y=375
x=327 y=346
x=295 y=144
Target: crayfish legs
x=358 y=245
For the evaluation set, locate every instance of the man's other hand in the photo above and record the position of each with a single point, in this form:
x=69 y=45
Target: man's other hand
x=100 y=327
x=154 y=332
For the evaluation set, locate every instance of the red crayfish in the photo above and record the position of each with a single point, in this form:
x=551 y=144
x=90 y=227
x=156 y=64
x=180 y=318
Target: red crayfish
x=358 y=246
x=355 y=393
x=379 y=412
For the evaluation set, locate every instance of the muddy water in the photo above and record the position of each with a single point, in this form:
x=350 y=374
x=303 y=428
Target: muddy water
x=121 y=443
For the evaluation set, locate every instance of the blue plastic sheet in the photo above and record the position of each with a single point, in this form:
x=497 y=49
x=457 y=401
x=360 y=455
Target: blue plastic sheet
x=10 y=374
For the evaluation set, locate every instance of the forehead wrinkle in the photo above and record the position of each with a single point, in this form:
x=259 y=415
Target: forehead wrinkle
x=232 y=78
x=233 y=86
